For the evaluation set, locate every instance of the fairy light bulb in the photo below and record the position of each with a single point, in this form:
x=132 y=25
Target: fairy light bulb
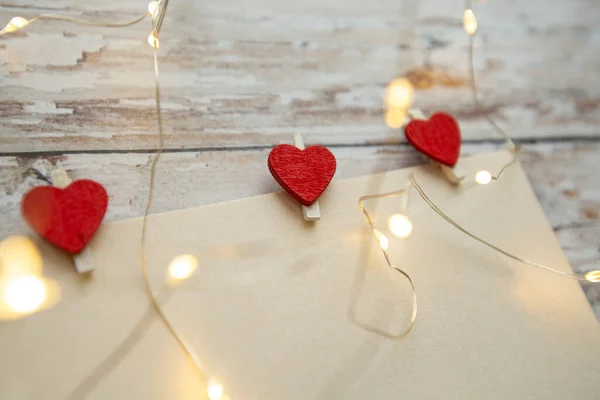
x=153 y=8
x=23 y=289
x=483 y=177
x=214 y=390
x=19 y=255
x=400 y=225
x=382 y=239
x=153 y=40
x=593 y=276
x=15 y=24
x=183 y=266
x=400 y=94
x=25 y=294
x=469 y=22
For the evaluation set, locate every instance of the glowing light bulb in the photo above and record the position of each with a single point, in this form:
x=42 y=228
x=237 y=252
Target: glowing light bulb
x=400 y=94
x=470 y=22
x=19 y=256
x=382 y=239
x=214 y=390
x=395 y=117
x=19 y=22
x=483 y=177
x=153 y=40
x=15 y=24
x=400 y=225
x=153 y=8
x=25 y=294
x=593 y=276
x=183 y=266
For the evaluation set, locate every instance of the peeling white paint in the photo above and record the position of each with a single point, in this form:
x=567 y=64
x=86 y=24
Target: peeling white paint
x=287 y=98
x=567 y=185
x=46 y=107
x=145 y=103
x=230 y=81
x=53 y=81
x=84 y=161
x=29 y=121
x=366 y=96
x=51 y=134
x=43 y=166
x=99 y=134
x=591 y=195
x=53 y=49
x=145 y=78
x=8 y=162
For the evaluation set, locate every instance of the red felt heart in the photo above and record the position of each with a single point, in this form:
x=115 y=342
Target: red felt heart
x=69 y=217
x=304 y=174
x=438 y=138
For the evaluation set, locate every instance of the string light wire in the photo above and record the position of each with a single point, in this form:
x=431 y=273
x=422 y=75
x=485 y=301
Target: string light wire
x=514 y=150
x=508 y=254
x=161 y=16
x=20 y=22
x=384 y=249
x=592 y=276
x=185 y=346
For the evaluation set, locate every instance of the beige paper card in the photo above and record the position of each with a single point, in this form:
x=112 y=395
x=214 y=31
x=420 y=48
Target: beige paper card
x=275 y=307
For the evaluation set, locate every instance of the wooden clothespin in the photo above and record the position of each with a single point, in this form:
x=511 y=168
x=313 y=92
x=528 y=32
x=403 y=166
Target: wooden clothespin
x=303 y=173
x=67 y=214
x=84 y=260
x=454 y=173
x=312 y=212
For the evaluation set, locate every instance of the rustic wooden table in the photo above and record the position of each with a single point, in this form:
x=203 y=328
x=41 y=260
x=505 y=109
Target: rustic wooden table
x=239 y=77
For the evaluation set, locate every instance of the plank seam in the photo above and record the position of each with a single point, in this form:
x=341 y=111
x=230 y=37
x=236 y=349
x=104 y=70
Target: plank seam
x=520 y=141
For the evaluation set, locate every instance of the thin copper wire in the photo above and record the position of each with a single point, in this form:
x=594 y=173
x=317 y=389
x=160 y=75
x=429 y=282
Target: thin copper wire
x=161 y=16
x=440 y=212
x=479 y=108
x=185 y=346
x=413 y=317
x=508 y=254
x=83 y=21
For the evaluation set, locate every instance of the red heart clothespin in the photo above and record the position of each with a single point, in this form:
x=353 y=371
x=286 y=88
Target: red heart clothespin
x=303 y=173
x=438 y=138
x=66 y=217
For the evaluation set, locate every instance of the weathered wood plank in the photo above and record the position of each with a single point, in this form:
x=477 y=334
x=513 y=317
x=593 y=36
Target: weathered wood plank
x=564 y=177
x=238 y=74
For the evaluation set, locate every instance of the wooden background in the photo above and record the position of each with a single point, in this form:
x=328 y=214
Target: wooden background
x=241 y=76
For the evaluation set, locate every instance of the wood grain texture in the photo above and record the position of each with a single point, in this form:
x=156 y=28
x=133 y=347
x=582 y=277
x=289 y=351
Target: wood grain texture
x=245 y=74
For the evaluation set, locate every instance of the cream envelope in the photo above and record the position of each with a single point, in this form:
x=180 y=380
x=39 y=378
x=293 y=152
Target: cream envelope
x=277 y=306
